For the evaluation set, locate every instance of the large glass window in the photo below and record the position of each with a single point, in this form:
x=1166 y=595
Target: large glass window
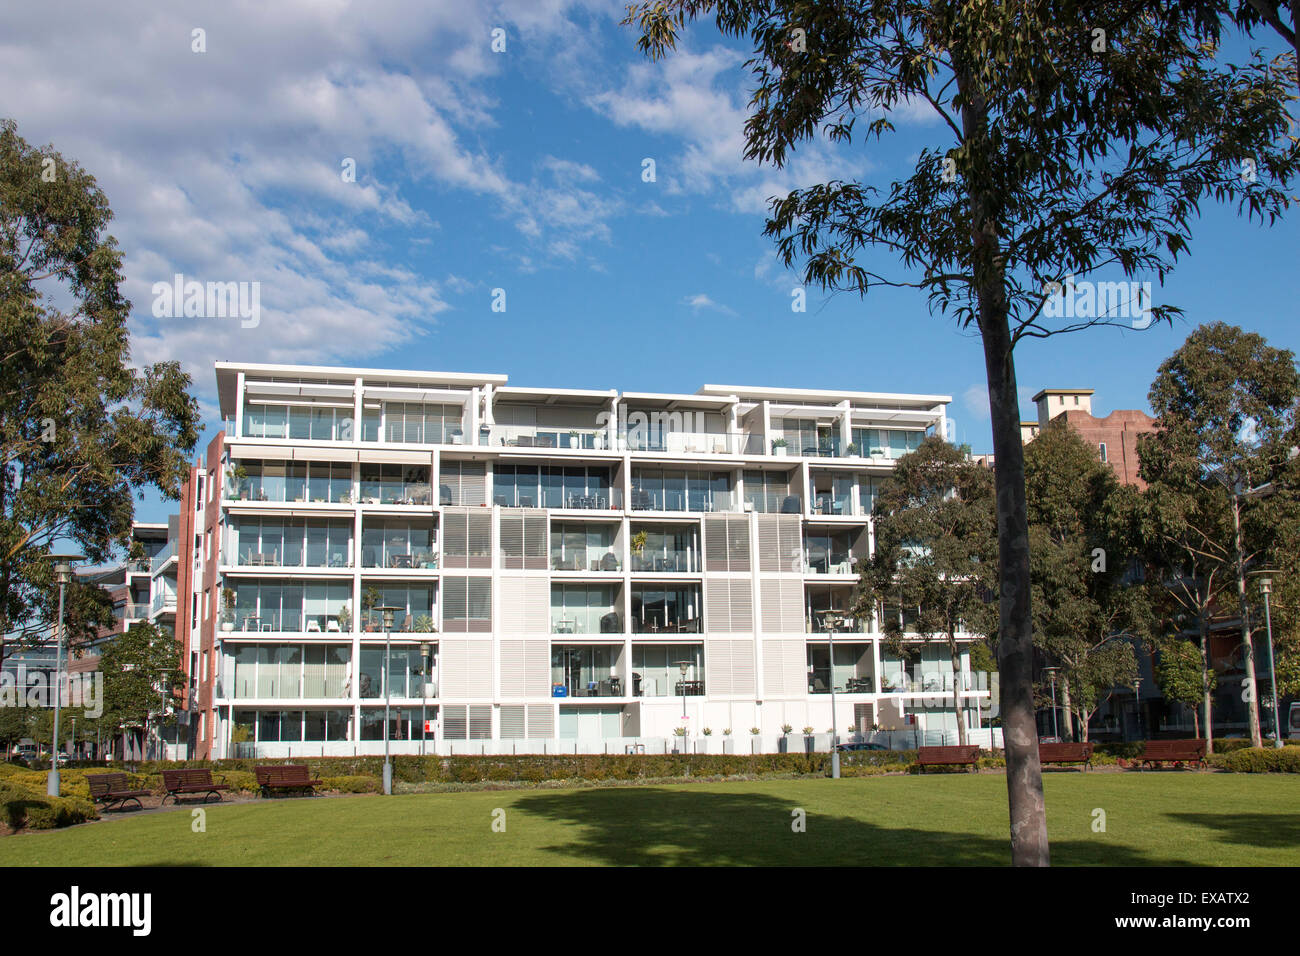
x=293 y=671
x=313 y=422
x=414 y=603
x=586 y=670
x=657 y=670
x=673 y=609
x=405 y=673
x=273 y=606
x=279 y=542
x=655 y=489
x=585 y=609
x=660 y=547
x=394 y=543
x=852 y=673
x=395 y=484
x=583 y=547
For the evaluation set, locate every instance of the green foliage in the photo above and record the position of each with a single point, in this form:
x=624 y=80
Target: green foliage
x=82 y=430
x=25 y=807
x=1263 y=760
x=351 y=784
x=135 y=665
x=1180 y=672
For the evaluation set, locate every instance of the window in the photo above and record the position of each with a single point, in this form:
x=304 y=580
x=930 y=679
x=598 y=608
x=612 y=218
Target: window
x=1101 y=449
x=767 y=492
x=467 y=604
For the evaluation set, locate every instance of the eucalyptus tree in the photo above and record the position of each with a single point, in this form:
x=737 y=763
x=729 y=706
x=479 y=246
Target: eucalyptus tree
x=1071 y=138
x=1089 y=606
x=935 y=561
x=81 y=431
x=1226 y=447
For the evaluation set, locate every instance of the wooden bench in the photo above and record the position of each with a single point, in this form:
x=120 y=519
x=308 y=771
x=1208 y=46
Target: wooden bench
x=179 y=783
x=113 y=789
x=1173 y=751
x=1066 y=753
x=287 y=776
x=947 y=756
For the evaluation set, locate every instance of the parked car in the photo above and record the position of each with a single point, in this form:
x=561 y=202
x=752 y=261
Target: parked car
x=26 y=752
x=850 y=748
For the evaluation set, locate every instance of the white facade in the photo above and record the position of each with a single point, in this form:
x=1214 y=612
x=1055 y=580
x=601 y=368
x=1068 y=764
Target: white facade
x=560 y=556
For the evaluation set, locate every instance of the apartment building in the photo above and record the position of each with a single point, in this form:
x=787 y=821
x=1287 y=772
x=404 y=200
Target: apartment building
x=562 y=567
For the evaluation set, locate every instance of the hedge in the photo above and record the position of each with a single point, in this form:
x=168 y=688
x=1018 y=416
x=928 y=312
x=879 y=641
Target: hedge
x=22 y=806
x=1261 y=760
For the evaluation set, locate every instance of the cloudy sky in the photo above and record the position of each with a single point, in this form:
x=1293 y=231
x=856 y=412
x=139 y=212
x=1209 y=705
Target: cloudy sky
x=519 y=170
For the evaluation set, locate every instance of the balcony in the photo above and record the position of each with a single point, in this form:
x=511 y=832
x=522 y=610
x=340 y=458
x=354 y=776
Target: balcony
x=852 y=673
x=585 y=670
x=657 y=670
x=530 y=436
x=647 y=499
x=690 y=442
x=162 y=557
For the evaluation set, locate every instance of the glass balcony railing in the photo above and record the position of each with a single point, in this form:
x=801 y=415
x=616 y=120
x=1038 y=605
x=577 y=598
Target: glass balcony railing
x=162 y=557
x=652 y=499
x=691 y=443
x=672 y=561
x=396 y=493
x=588 y=559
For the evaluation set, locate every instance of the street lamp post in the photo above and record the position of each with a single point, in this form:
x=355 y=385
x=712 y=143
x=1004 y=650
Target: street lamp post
x=424 y=691
x=1051 y=676
x=1137 y=703
x=387 y=611
x=684 y=666
x=831 y=620
x=62 y=574
x=1266 y=585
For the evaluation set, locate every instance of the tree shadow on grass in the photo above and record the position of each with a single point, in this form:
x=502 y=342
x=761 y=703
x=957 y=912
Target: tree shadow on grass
x=1263 y=830
x=685 y=827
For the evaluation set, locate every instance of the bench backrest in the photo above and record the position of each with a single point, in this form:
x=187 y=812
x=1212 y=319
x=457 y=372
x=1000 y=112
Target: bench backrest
x=102 y=783
x=282 y=774
x=187 y=777
x=964 y=754
x=1174 y=748
x=1065 y=751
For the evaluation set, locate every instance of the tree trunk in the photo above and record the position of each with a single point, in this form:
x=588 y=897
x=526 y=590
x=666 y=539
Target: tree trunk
x=1196 y=724
x=1066 y=710
x=1205 y=681
x=1029 y=845
x=955 y=654
x=1083 y=727
x=1015 y=629
x=1252 y=700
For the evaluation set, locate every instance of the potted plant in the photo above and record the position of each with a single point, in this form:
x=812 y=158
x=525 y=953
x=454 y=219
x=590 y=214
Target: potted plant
x=851 y=450
x=345 y=619
x=779 y=446
x=239 y=479
x=707 y=731
x=369 y=599
x=424 y=624
x=573 y=439
x=228 y=615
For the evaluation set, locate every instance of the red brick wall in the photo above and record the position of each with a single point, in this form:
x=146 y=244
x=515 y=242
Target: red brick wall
x=1119 y=431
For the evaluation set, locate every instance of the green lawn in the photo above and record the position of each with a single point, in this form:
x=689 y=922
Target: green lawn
x=1168 y=818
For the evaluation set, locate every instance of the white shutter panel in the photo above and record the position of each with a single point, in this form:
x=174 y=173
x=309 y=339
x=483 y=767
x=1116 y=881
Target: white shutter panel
x=514 y=606
x=536 y=547
x=769 y=544
x=738 y=543
x=480 y=722
x=715 y=544
x=742 y=606
x=790 y=543
x=742 y=669
x=792 y=606
x=479 y=669
x=512 y=721
x=717 y=668
x=537 y=670
x=537 y=607
x=480 y=539
x=452 y=667
x=512 y=539
x=773 y=670
x=541 y=721
x=473 y=483
x=717 y=605
x=513 y=674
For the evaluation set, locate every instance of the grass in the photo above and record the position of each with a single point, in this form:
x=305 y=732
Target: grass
x=1157 y=819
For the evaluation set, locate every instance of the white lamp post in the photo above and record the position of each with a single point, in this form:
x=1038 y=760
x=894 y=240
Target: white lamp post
x=387 y=611
x=831 y=620
x=1266 y=586
x=62 y=574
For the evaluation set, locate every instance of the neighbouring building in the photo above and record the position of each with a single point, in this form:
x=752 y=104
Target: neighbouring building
x=588 y=569
x=1114 y=436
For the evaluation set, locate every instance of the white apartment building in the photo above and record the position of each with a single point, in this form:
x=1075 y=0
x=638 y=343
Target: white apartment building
x=569 y=569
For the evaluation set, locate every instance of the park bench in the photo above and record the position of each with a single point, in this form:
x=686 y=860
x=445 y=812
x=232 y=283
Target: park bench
x=112 y=789
x=1066 y=753
x=188 y=780
x=947 y=756
x=288 y=776
x=1173 y=751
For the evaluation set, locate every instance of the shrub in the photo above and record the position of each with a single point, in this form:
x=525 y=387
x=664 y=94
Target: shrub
x=1261 y=760
x=350 y=784
x=22 y=807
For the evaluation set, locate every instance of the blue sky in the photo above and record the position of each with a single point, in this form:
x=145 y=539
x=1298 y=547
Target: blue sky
x=518 y=170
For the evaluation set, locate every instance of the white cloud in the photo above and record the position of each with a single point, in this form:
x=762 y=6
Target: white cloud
x=976 y=400
x=225 y=165
x=701 y=301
